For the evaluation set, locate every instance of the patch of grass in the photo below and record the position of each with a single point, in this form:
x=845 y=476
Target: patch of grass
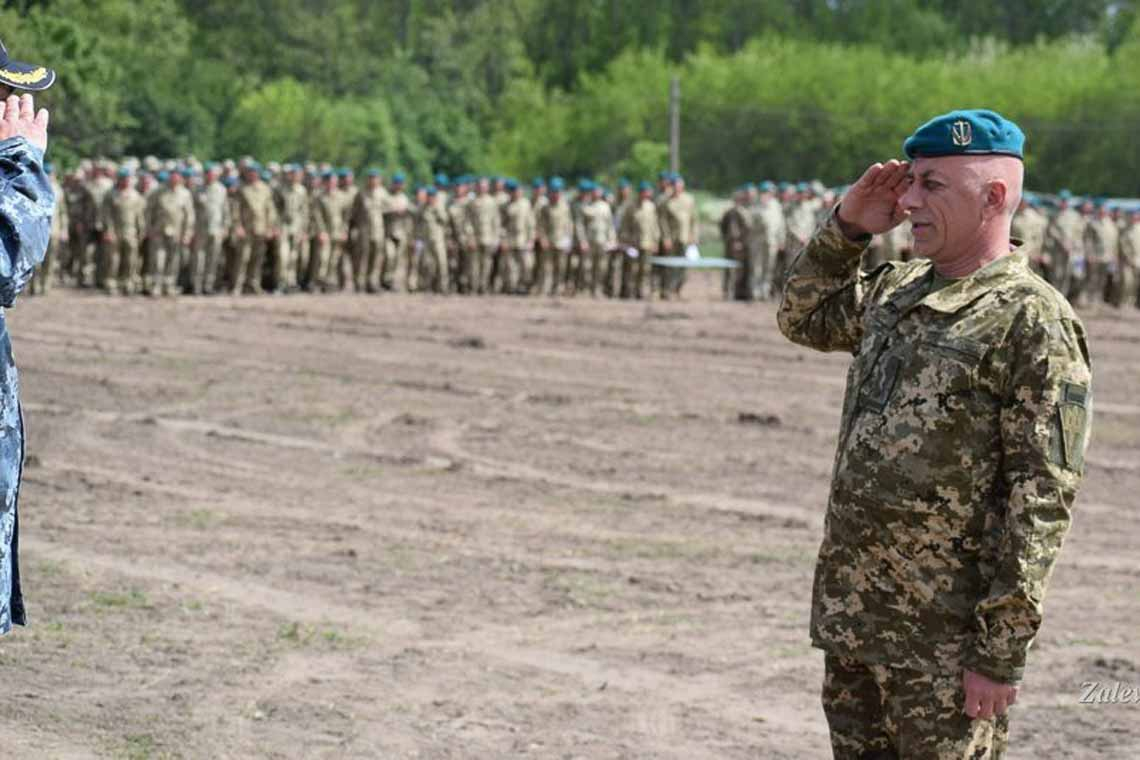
x=301 y=635
x=143 y=747
x=133 y=599
x=198 y=519
x=642 y=548
x=49 y=568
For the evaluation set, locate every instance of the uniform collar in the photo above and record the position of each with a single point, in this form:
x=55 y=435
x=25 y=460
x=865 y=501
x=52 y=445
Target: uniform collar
x=965 y=291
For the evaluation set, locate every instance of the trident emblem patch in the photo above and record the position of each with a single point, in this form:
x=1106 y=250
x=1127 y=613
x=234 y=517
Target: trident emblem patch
x=962 y=133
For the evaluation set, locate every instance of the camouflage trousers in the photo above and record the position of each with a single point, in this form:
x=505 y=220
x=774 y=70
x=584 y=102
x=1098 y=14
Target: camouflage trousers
x=878 y=712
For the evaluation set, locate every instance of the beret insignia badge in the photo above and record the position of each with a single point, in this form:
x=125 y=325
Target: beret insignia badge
x=962 y=133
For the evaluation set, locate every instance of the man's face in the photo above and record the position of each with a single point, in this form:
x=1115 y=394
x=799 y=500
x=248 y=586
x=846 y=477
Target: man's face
x=373 y=182
x=482 y=187
x=945 y=202
x=175 y=180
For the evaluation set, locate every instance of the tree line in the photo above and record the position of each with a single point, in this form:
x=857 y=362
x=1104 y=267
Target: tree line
x=770 y=89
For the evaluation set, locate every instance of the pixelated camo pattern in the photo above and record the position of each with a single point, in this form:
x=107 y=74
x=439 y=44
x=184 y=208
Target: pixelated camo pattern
x=26 y=207
x=961 y=448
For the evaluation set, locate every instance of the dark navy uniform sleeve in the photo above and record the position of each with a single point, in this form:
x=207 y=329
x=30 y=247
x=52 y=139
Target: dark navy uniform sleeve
x=26 y=206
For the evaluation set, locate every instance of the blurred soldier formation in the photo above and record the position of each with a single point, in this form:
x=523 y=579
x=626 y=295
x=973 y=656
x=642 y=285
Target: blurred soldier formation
x=1089 y=249
x=167 y=228
x=174 y=228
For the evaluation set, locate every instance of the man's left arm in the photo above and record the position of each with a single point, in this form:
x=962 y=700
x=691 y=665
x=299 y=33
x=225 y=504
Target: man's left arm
x=1045 y=425
x=26 y=206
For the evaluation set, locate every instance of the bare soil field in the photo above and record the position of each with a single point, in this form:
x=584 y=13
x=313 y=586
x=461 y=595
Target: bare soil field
x=423 y=527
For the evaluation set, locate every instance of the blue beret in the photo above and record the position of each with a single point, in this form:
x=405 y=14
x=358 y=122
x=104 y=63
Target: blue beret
x=512 y=185
x=749 y=186
x=623 y=182
x=123 y=171
x=644 y=186
x=1065 y=194
x=253 y=166
x=433 y=190
x=48 y=168
x=398 y=178
x=163 y=176
x=665 y=175
x=374 y=172
x=784 y=186
x=229 y=181
x=441 y=179
x=768 y=186
x=538 y=182
x=803 y=187
x=328 y=174
x=187 y=172
x=557 y=183
x=966 y=133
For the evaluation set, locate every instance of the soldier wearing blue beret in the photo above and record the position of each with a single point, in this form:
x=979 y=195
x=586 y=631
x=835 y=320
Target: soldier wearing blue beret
x=26 y=209
x=962 y=445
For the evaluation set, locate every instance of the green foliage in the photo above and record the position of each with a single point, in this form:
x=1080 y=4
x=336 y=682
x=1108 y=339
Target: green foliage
x=812 y=88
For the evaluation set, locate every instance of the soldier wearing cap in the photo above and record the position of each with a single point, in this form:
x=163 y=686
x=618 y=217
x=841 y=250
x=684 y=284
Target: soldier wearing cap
x=735 y=228
x=639 y=234
x=554 y=230
x=124 y=229
x=1064 y=250
x=87 y=267
x=460 y=236
x=368 y=219
x=398 y=224
x=518 y=236
x=212 y=224
x=1126 y=293
x=291 y=252
x=46 y=273
x=1102 y=240
x=254 y=228
x=25 y=228
x=961 y=448
x=767 y=234
x=485 y=218
x=682 y=229
x=327 y=225
x=1029 y=226
x=434 y=221
x=600 y=236
x=170 y=227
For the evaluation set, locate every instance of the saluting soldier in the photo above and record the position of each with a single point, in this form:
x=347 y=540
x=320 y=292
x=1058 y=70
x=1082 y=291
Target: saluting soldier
x=962 y=446
x=124 y=228
x=368 y=219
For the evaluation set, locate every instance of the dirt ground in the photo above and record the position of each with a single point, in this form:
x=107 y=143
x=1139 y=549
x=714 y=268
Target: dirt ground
x=421 y=527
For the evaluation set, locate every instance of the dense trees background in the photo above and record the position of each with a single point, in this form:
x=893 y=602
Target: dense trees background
x=793 y=89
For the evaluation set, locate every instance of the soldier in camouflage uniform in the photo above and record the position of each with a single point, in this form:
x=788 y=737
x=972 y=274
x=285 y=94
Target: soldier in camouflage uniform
x=600 y=235
x=434 y=221
x=327 y=225
x=765 y=240
x=254 y=229
x=1064 y=250
x=292 y=199
x=170 y=225
x=212 y=224
x=398 y=222
x=518 y=239
x=961 y=448
x=461 y=237
x=1102 y=238
x=1125 y=290
x=735 y=229
x=45 y=275
x=639 y=231
x=368 y=219
x=555 y=232
x=485 y=218
x=124 y=229
x=682 y=228
x=1029 y=225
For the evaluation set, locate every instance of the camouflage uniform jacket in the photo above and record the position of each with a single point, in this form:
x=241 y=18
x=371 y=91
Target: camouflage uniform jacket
x=961 y=449
x=26 y=206
x=640 y=228
x=59 y=220
x=556 y=225
x=520 y=227
x=124 y=214
x=212 y=211
x=293 y=209
x=368 y=213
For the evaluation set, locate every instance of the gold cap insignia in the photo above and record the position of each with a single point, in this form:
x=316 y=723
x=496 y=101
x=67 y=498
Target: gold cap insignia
x=962 y=133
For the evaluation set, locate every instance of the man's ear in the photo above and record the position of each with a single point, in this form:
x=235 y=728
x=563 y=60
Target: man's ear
x=995 y=200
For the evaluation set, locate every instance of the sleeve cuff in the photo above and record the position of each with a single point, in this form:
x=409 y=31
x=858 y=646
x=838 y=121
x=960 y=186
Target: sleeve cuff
x=1000 y=670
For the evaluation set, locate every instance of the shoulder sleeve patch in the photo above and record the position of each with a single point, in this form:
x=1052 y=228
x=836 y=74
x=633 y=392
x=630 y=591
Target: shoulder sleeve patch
x=1071 y=427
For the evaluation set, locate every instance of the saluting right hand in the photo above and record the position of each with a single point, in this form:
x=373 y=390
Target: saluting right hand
x=18 y=118
x=871 y=205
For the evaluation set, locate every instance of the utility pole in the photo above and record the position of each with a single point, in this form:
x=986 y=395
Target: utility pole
x=675 y=125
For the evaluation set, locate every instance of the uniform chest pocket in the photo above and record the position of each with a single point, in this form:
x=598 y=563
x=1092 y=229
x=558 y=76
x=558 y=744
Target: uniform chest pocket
x=950 y=366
